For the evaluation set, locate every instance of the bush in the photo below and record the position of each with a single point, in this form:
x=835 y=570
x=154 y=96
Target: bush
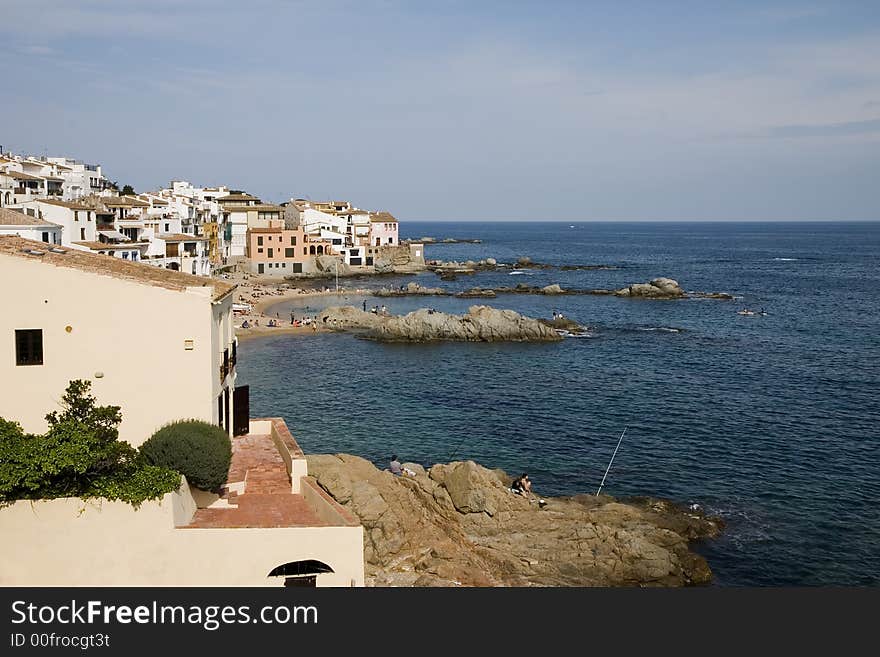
x=79 y=456
x=198 y=450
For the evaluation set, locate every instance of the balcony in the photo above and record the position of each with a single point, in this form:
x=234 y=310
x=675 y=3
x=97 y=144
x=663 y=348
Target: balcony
x=225 y=367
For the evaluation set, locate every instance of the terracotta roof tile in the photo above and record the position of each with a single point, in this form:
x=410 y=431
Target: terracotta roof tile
x=14 y=218
x=11 y=245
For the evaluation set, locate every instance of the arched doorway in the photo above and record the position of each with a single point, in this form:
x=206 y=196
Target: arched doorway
x=174 y=266
x=312 y=250
x=320 y=250
x=300 y=573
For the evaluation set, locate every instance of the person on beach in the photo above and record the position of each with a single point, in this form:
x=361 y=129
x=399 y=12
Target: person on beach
x=365 y=305
x=395 y=466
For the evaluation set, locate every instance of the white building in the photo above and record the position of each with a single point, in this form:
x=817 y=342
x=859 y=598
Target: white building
x=14 y=222
x=159 y=343
x=79 y=222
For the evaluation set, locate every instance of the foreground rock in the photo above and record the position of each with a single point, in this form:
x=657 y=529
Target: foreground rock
x=458 y=524
x=480 y=324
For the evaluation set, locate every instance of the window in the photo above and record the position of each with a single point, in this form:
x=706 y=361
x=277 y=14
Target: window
x=166 y=227
x=76 y=215
x=82 y=234
x=29 y=346
x=305 y=251
x=271 y=253
x=260 y=241
x=297 y=268
x=46 y=237
x=259 y=250
x=288 y=253
x=293 y=240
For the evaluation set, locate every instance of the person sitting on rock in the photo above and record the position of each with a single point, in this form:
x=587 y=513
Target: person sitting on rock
x=522 y=485
x=395 y=466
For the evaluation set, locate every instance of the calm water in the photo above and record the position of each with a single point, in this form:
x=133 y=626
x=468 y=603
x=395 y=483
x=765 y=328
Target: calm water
x=770 y=421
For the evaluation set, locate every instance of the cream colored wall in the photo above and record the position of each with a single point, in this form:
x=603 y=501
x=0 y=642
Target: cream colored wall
x=222 y=335
x=131 y=333
x=67 y=542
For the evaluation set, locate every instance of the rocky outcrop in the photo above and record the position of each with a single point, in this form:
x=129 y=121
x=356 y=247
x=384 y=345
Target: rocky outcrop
x=476 y=293
x=328 y=264
x=480 y=324
x=445 y=240
x=660 y=288
x=397 y=259
x=410 y=289
x=459 y=524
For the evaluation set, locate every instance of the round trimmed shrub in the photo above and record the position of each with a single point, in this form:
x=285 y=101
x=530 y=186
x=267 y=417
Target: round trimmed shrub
x=199 y=451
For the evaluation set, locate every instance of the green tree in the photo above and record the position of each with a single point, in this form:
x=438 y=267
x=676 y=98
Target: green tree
x=79 y=456
x=128 y=190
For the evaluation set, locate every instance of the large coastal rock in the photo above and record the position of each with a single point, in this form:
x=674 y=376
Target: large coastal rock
x=658 y=288
x=410 y=289
x=397 y=259
x=480 y=324
x=459 y=524
x=329 y=264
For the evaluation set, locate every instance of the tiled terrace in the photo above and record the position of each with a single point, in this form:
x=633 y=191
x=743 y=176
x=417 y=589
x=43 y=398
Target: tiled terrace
x=266 y=500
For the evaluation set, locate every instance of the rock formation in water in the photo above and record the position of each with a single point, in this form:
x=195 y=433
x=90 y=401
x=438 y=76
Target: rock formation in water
x=480 y=324
x=658 y=288
x=410 y=289
x=458 y=524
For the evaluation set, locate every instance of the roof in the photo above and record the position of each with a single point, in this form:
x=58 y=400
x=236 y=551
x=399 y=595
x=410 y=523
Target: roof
x=180 y=237
x=14 y=218
x=105 y=246
x=383 y=216
x=263 y=207
x=18 y=175
x=237 y=197
x=71 y=205
x=125 y=201
x=136 y=272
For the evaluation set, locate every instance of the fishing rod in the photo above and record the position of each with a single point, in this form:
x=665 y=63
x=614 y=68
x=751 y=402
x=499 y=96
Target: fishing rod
x=611 y=461
x=455 y=451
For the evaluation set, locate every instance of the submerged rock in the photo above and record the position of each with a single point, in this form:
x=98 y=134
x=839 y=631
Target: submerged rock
x=459 y=524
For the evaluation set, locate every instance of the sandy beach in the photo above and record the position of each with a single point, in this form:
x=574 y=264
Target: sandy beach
x=261 y=294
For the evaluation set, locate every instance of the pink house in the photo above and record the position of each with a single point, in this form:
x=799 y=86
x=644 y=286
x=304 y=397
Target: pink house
x=383 y=229
x=284 y=251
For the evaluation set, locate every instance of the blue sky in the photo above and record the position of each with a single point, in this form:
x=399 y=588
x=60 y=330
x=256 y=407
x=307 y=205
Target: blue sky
x=463 y=110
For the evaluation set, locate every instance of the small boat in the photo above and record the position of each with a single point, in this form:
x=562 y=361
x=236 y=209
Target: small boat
x=745 y=311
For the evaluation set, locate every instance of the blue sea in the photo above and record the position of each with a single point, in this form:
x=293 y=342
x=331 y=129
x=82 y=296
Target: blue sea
x=771 y=421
